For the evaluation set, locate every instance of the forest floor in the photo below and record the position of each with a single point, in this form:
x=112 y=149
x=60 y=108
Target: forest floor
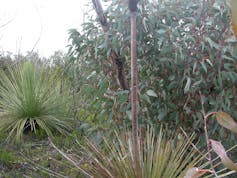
x=34 y=158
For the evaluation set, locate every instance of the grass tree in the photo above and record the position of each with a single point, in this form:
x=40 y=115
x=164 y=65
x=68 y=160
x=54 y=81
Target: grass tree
x=31 y=98
x=161 y=156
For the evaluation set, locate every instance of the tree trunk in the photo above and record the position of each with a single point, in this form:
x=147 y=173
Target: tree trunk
x=134 y=86
x=116 y=58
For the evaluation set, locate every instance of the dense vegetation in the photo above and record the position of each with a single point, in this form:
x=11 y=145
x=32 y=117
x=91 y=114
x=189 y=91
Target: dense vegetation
x=187 y=56
x=184 y=48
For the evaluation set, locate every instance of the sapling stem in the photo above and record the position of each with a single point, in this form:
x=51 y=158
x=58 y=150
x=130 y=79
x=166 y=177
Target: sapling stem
x=205 y=117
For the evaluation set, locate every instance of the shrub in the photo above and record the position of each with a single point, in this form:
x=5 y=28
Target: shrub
x=184 y=47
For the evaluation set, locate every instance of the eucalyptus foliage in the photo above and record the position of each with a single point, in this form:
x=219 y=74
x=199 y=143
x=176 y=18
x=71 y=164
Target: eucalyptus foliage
x=185 y=49
x=31 y=98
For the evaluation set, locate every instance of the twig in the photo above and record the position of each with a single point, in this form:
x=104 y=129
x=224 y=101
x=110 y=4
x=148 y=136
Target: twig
x=193 y=145
x=41 y=30
x=5 y=24
x=205 y=117
x=69 y=159
x=209 y=114
x=41 y=168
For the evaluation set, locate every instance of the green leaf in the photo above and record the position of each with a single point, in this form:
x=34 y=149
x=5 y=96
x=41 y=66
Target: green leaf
x=151 y=93
x=194 y=67
x=129 y=114
x=220 y=151
x=209 y=62
x=212 y=43
x=187 y=86
x=204 y=66
x=226 y=121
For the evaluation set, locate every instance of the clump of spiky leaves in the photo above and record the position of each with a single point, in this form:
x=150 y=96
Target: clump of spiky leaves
x=30 y=98
x=159 y=155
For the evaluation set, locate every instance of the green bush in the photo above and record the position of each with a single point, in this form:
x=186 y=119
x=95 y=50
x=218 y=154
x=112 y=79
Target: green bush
x=184 y=48
x=30 y=98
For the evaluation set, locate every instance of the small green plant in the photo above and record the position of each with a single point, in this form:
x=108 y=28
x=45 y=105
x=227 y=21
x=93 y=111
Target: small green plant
x=6 y=158
x=31 y=98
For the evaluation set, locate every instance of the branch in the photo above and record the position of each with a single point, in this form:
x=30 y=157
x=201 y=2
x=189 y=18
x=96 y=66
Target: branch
x=116 y=59
x=5 y=24
x=193 y=145
x=100 y=13
x=205 y=117
x=69 y=159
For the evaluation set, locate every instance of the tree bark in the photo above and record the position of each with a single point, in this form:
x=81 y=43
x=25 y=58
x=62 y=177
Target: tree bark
x=116 y=59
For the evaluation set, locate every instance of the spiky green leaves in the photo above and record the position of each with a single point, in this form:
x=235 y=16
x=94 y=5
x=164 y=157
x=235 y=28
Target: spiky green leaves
x=160 y=157
x=30 y=98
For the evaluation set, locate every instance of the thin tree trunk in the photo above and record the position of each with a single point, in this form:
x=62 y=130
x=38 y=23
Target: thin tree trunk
x=134 y=86
x=116 y=59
